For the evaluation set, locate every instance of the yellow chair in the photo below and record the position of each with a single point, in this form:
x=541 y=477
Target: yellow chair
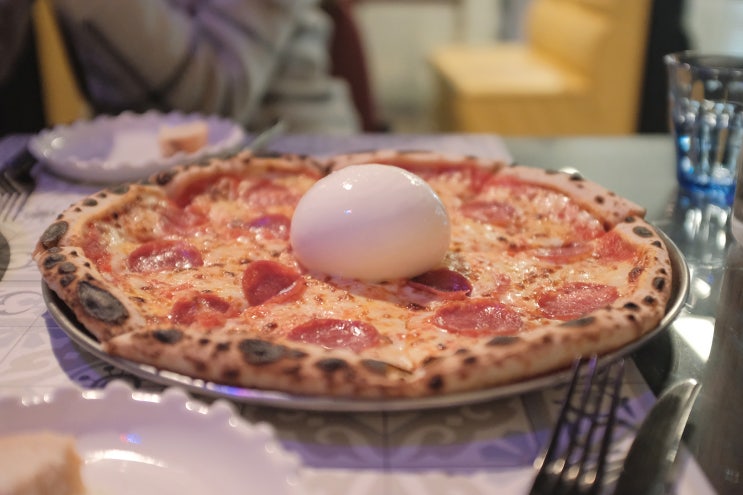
x=63 y=99
x=580 y=71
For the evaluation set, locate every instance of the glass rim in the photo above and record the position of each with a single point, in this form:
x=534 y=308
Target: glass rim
x=713 y=63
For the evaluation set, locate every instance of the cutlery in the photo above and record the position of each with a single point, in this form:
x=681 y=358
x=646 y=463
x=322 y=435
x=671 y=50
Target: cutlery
x=586 y=424
x=265 y=136
x=4 y=255
x=648 y=466
x=257 y=143
x=16 y=184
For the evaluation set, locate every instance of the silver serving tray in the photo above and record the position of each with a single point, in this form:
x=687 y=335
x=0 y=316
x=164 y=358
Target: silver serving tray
x=78 y=334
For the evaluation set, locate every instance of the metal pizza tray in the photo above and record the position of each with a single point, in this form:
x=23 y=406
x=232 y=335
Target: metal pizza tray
x=78 y=334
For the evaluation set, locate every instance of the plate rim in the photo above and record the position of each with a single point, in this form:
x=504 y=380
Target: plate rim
x=61 y=314
x=152 y=409
x=126 y=170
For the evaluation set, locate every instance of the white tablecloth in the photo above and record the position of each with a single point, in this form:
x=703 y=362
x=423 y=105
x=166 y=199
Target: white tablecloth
x=483 y=448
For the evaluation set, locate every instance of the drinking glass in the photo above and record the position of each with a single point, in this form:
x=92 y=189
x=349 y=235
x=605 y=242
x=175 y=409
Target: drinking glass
x=706 y=114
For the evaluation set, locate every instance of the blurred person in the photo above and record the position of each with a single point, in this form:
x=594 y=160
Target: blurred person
x=251 y=60
x=19 y=75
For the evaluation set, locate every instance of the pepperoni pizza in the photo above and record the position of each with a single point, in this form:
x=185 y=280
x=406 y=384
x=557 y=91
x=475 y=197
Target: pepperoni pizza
x=192 y=271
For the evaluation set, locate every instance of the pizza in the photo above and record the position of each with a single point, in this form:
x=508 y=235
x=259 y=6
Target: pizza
x=195 y=271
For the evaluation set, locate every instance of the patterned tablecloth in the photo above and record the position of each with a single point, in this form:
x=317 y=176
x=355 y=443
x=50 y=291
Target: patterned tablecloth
x=482 y=448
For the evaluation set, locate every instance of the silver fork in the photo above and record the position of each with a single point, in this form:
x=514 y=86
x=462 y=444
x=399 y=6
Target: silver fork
x=16 y=185
x=575 y=459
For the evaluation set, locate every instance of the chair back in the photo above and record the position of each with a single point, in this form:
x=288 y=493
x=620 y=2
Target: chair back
x=602 y=41
x=64 y=101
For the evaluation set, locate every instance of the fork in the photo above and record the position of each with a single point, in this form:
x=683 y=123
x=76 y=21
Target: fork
x=16 y=185
x=585 y=423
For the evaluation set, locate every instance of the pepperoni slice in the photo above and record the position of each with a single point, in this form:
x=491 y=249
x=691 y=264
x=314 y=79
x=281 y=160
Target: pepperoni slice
x=266 y=193
x=223 y=186
x=613 y=247
x=575 y=299
x=477 y=317
x=273 y=226
x=443 y=282
x=269 y=281
x=180 y=220
x=336 y=334
x=163 y=255
x=491 y=212
x=209 y=310
x=564 y=254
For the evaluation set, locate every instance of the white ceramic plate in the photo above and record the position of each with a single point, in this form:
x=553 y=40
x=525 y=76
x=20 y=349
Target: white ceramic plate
x=144 y=443
x=125 y=147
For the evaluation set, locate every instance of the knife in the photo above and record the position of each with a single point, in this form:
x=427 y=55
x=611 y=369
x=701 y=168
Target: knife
x=258 y=142
x=649 y=462
x=261 y=140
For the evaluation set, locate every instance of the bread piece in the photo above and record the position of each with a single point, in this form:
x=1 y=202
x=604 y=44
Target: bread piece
x=188 y=137
x=42 y=463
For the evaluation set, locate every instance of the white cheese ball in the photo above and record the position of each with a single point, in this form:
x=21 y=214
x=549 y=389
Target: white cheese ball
x=370 y=222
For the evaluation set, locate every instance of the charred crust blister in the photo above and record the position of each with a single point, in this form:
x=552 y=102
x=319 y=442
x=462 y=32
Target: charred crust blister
x=436 y=383
x=164 y=178
x=52 y=235
x=260 y=352
x=120 y=189
x=51 y=260
x=503 y=340
x=331 y=365
x=66 y=267
x=168 y=336
x=631 y=306
x=101 y=304
x=643 y=232
x=580 y=322
x=659 y=283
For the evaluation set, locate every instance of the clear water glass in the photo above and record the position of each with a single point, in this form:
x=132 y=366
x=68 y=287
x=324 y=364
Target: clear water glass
x=706 y=113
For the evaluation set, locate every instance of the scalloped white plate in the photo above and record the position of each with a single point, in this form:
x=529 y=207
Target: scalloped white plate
x=144 y=443
x=125 y=147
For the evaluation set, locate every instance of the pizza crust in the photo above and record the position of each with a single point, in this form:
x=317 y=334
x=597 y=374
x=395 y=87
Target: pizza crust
x=247 y=355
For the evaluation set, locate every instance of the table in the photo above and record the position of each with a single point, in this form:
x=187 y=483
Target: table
x=479 y=448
